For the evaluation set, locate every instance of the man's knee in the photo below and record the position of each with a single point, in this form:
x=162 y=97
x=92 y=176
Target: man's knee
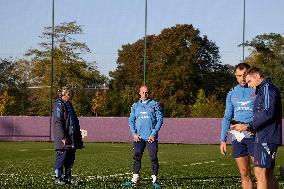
x=153 y=156
x=260 y=173
x=245 y=173
x=137 y=156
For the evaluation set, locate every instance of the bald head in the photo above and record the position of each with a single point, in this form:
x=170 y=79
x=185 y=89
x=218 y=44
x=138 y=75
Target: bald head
x=143 y=93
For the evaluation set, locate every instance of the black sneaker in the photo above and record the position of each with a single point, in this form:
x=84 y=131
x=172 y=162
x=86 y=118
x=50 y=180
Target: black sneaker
x=59 y=181
x=70 y=181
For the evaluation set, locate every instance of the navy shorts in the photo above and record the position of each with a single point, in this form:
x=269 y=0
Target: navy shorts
x=243 y=148
x=264 y=155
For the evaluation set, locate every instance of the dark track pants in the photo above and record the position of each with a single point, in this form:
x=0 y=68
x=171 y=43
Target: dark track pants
x=64 y=158
x=138 y=149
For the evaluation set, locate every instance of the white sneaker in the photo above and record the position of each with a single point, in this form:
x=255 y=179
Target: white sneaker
x=154 y=178
x=135 y=178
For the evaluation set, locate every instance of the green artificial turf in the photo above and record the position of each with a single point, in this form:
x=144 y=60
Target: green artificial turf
x=108 y=165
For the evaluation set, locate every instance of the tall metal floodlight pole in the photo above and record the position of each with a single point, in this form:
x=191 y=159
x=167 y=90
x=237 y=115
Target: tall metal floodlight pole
x=145 y=43
x=244 y=24
x=51 y=72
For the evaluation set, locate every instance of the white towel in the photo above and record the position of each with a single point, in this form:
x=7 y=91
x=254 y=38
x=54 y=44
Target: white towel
x=239 y=135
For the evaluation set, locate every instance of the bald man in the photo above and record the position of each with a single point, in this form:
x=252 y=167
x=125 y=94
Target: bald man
x=146 y=119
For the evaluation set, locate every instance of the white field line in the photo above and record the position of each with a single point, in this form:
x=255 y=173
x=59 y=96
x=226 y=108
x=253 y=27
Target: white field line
x=8 y=174
x=108 y=176
x=23 y=150
x=199 y=163
x=90 y=177
x=112 y=151
x=45 y=149
x=224 y=164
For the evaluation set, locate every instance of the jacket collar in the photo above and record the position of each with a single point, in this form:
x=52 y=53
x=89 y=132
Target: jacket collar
x=148 y=100
x=264 y=82
x=246 y=86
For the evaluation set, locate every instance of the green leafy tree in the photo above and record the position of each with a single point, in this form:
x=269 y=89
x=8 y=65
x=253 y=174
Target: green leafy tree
x=14 y=77
x=98 y=102
x=207 y=107
x=69 y=68
x=22 y=69
x=7 y=77
x=179 y=62
x=118 y=103
x=267 y=53
x=6 y=102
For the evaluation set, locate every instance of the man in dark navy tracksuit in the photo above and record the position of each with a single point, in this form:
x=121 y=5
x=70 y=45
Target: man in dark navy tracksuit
x=267 y=124
x=67 y=136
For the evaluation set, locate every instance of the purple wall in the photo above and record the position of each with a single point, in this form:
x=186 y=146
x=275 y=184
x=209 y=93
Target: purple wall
x=24 y=128
x=114 y=129
x=174 y=130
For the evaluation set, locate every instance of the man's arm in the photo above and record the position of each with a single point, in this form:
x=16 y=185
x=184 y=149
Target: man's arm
x=227 y=118
x=265 y=114
x=226 y=124
x=159 y=118
x=132 y=119
x=60 y=122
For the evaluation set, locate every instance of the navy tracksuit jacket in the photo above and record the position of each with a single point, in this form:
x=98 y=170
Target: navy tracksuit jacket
x=267 y=112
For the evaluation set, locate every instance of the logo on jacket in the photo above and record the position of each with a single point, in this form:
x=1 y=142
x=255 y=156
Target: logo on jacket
x=243 y=106
x=143 y=115
x=244 y=103
x=252 y=95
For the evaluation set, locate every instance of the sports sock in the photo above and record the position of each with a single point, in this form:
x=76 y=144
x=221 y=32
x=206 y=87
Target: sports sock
x=135 y=178
x=154 y=177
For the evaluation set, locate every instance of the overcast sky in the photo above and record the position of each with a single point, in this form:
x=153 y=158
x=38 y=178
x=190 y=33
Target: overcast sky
x=108 y=24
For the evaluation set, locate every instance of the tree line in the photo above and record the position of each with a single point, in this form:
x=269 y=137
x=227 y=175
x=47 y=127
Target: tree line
x=183 y=72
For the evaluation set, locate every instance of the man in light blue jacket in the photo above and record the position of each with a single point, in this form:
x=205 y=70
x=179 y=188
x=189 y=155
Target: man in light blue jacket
x=239 y=108
x=146 y=119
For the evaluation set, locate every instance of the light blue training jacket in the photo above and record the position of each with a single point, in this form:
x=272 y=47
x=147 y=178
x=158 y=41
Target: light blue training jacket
x=239 y=106
x=145 y=119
